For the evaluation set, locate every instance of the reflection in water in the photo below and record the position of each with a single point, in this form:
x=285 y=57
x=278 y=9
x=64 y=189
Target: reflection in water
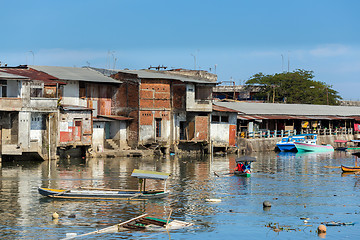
x=297 y=185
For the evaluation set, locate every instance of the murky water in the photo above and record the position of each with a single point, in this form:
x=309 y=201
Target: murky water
x=297 y=185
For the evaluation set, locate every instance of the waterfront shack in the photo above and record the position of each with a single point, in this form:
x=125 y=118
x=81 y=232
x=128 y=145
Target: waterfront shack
x=28 y=109
x=271 y=121
x=87 y=94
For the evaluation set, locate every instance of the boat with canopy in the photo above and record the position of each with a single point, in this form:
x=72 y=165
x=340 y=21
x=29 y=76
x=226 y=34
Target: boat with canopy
x=113 y=194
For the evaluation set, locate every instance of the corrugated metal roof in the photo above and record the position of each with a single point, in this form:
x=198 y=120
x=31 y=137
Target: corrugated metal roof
x=115 y=117
x=9 y=76
x=75 y=74
x=222 y=109
x=150 y=74
x=34 y=75
x=75 y=108
x=291 y=109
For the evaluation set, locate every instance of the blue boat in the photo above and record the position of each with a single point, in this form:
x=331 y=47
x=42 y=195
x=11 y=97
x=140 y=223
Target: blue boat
x=287 y=143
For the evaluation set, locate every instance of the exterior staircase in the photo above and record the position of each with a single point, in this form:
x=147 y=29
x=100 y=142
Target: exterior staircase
x=111 y=144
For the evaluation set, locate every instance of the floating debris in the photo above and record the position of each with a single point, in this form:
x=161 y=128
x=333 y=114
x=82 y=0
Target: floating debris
x=276 y=227
x=333 y=223
x=213 y=200
x=55 y=215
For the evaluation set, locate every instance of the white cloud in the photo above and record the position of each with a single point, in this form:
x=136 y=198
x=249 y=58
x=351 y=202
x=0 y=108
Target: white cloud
x=330 y=50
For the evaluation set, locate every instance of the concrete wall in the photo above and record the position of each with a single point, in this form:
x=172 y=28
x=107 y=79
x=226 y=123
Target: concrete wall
x=25 y=126
x=220 y=131
x=98 y=135
x=70 y=94
x=123 y=133
x=196 y=105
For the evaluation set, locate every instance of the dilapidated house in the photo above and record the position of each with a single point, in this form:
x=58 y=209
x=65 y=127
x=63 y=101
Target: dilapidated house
x=170 y=109
x=86 y=102
x=28 y=109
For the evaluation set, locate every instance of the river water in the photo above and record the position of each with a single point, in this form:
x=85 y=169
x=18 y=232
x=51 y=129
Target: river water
x=297 y=186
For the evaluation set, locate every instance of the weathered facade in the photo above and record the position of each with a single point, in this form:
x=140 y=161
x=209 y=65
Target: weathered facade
x=223 y=128
x=168 y=109
x=87 y=94
x=28 y=102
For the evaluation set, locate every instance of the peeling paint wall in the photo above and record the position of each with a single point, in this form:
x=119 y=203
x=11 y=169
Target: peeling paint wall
x=75 y=128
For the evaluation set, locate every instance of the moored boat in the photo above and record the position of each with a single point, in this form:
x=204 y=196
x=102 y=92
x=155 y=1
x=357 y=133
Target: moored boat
x=287 y=143
x=313 y=147
x=112 y=194
x=350 y=169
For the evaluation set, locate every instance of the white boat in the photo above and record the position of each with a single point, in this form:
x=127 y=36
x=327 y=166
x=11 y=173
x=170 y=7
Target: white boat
x=301 y=147
x=287 y=143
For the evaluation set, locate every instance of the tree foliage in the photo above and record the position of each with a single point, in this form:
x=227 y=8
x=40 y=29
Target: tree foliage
x=292 y=87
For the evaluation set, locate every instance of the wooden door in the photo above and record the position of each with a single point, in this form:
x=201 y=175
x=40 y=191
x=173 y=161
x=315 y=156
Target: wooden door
x=232 y=135
x=77 y=131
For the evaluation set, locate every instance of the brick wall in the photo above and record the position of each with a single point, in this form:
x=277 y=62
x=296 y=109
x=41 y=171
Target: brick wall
x=201 y=127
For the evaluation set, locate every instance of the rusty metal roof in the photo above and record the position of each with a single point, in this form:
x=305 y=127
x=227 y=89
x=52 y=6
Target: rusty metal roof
x=222 y=109
x=9 y=76
x=32 y=74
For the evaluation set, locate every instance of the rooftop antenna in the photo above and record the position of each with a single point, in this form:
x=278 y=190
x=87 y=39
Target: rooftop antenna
x=288 y=61
x=194 y=61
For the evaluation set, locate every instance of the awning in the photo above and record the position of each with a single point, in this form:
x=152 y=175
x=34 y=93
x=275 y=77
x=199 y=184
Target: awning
x=150 y=174
x=290 y=117
x=341 y=141
x=116 y=117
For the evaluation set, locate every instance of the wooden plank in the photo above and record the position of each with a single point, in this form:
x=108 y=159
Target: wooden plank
x=96 y=198
x=111 y=228
x=109 y=189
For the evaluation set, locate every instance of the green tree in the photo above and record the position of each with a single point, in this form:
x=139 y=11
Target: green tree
x=292 y=87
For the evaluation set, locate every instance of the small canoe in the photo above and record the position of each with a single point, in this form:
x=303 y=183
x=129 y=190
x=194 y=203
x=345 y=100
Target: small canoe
x=143 y=222
x=242 y=174
x=113 y=194
x=350 y=169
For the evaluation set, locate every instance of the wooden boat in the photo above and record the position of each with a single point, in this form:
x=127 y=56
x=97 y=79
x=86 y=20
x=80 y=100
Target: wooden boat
x=112 y=194
x=313 y=147
x=246 y=162
x=143 y=222
x=242 y=174
x=352 y=169
x=345 y=145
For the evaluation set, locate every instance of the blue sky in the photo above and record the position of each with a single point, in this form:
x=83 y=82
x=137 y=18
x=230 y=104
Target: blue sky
x=238 y=38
